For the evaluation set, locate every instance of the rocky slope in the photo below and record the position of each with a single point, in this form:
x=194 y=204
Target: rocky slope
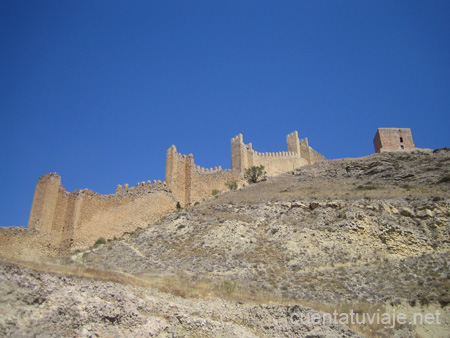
x=374 y=229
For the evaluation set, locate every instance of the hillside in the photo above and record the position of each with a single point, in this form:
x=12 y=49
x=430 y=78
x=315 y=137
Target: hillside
x=368 y=233
x=334 y=231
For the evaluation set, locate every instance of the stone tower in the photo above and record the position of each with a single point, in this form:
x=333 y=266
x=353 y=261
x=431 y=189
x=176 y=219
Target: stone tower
x=393 y=139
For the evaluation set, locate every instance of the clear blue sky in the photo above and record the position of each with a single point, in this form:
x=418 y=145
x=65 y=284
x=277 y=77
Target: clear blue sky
x=98 y=90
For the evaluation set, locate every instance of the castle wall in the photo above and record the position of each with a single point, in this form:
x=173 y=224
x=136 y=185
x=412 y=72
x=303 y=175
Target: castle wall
x=110 y=216
x=275 y=163
x=299 y=153
x=190 y=183
x=60 y=220
x=206 y=180
x=393 y=139
x=44 y=202
x=25 y=244
x=78 y=219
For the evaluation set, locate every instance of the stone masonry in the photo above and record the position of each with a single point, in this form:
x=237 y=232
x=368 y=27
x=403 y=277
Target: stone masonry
x=298 y=154
x=61 y=220
x=393 y=139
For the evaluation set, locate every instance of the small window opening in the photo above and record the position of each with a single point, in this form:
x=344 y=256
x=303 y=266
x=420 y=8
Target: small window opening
x=401 y=139
x=402 y=147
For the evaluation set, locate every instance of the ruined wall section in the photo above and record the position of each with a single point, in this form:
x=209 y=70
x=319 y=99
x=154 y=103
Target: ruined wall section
x=276 y=163
x=293 y=144
x=204 y=181
x=239 y=153
x=110 y=216
x=308 y=153
x=190 y=183
x=179 y=171
x=25 y=244
x=299 y=153
x=393 y=139
x=44 y=202
x=78 y=219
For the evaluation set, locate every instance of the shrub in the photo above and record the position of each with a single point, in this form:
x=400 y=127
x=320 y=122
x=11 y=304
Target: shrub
x=254 y=174
x=179 y=206
x=215 y=192
x=232 y=185
x=229 y=286
x=100 y=241
x=366 y=187
x=445 y=179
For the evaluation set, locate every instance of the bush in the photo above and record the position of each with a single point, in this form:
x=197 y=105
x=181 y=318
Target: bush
x=229 y=286
x=232 y=185
x=100 y=241
x=215 y=192
x=179 y=206
x=445 y=179
x=366 y=187
x=254 y=174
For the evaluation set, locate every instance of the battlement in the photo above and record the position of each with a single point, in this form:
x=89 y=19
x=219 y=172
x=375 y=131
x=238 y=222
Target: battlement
x=202 y=170
x=298 y=154
x=281 y=154
x=144 y=186
x=77 y=219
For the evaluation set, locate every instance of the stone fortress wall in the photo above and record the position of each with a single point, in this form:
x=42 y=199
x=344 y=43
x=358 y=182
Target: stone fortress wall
x=298 y=154
x=79 y=218
x=190 y=183
x=61 y=221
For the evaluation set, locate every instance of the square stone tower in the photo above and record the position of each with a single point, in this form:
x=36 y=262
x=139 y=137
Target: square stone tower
x=393 y=139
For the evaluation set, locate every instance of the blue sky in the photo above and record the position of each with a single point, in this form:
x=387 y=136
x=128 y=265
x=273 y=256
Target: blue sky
x=98 y=90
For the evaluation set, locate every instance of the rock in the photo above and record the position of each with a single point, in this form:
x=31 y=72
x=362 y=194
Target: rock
x=407 y=212
x=333 y=204
x=299 y=205
x=394 y=211
x=426 y=213
x=314 y=205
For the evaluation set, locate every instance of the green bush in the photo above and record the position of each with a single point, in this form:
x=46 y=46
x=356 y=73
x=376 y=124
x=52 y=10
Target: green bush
x=179 y=206
x=232 y=185
x=255 y=174
x=100 y=241
x=229 y=286
x=215 y=192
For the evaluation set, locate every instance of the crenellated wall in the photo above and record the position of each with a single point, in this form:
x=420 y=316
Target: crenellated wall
x=299 y=153
x=61 y=221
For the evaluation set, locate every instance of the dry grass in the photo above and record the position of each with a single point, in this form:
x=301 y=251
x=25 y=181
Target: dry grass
x=176 y=285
